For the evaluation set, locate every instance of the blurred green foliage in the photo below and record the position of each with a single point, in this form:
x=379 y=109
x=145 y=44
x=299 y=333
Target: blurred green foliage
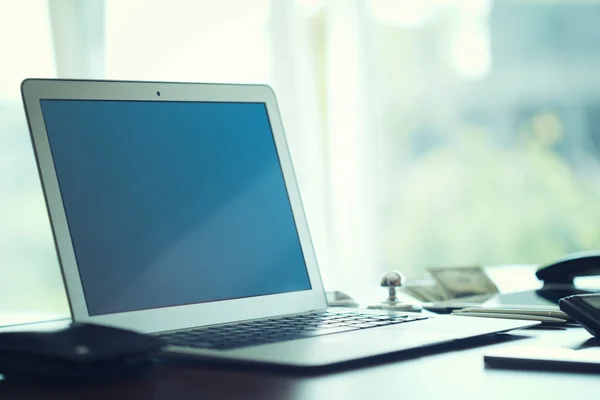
x=477 y=203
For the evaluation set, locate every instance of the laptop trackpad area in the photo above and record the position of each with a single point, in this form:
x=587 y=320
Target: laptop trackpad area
x=343 y=347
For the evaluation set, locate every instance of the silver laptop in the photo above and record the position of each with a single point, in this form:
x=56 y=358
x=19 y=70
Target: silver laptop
x=176 y=212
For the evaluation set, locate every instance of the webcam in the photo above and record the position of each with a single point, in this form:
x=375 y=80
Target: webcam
x=158 y=93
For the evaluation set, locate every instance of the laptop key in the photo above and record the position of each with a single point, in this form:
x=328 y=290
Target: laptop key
x=310 y=328
x=331 y=325
x=337 y=325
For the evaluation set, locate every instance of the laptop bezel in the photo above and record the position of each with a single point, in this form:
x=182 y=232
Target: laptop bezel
x=176 y=317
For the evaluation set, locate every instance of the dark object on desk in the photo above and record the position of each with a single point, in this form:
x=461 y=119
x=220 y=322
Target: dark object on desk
x=553 y=293
x=585 y=309
x=559 y=276
x=80 y=351
x=566 y=269
x=545 y=359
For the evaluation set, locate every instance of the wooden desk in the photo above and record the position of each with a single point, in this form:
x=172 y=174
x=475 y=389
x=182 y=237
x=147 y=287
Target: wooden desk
x=454 y=374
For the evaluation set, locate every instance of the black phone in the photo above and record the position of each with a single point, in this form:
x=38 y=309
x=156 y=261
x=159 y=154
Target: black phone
x=558 y=277
x=566 y=269
x=585 y=309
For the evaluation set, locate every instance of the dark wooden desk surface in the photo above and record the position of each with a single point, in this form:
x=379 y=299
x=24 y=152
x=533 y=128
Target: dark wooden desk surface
x=453 y=374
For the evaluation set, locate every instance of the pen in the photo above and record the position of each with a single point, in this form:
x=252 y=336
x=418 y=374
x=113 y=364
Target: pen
x=548 y=320
x=519 y=311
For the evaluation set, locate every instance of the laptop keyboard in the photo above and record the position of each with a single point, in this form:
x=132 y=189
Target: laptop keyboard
x=252 y=333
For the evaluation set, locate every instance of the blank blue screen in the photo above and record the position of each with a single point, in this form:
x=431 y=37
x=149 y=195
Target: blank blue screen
x=172 y=203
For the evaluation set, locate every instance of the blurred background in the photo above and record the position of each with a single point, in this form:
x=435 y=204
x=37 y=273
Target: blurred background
x=424 y=133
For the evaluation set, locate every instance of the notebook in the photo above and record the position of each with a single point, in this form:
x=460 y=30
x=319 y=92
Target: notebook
x=176 y=212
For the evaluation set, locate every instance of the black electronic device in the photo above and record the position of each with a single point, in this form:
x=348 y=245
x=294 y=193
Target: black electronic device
x=585 y=309
x=76 y=351
x=558 y=277
x=566 y=269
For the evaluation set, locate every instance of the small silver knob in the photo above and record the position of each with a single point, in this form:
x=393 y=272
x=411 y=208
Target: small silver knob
x=392 y=280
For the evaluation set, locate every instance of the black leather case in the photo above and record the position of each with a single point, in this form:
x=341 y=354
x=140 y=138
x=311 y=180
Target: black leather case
x=80 y=351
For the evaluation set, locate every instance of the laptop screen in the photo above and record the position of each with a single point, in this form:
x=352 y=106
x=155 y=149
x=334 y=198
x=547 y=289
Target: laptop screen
x=173 y=203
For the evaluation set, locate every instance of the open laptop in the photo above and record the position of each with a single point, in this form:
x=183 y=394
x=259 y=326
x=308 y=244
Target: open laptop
x=175 y=212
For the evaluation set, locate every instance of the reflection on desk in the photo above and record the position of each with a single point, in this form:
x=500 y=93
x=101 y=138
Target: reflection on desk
x=455 y=374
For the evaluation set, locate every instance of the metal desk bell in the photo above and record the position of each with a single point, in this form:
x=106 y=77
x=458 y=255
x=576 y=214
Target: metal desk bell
x=392 y=280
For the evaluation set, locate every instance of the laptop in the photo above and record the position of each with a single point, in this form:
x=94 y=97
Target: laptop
x=175 y=212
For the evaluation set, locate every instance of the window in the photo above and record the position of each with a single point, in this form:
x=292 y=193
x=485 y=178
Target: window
x=183 y=40
x=424 y=133
x=31 y=286
x=484 y=132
